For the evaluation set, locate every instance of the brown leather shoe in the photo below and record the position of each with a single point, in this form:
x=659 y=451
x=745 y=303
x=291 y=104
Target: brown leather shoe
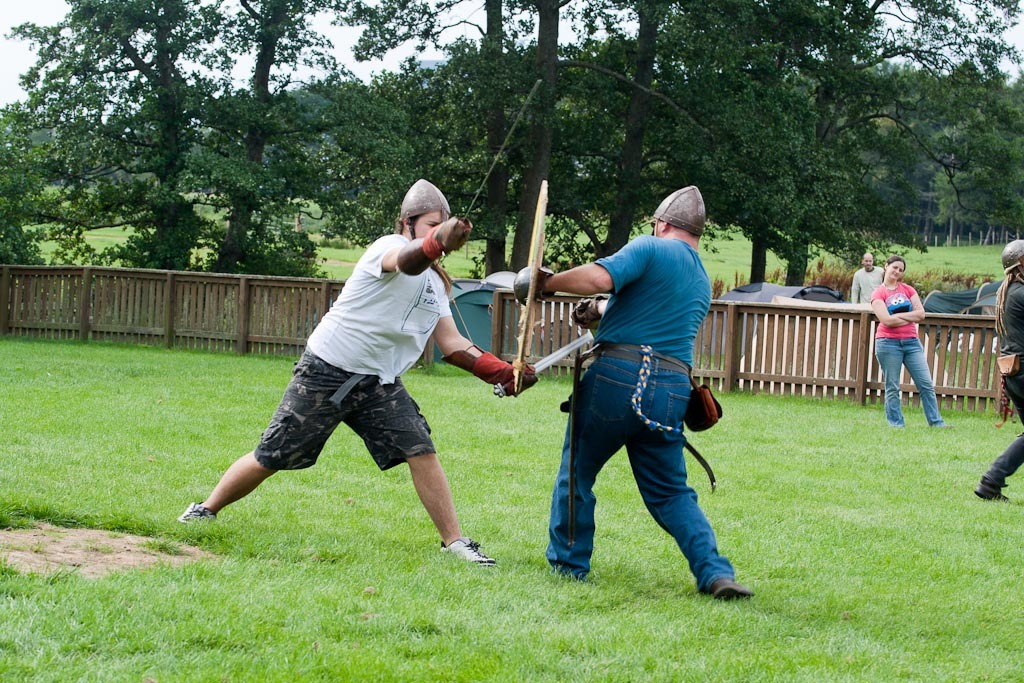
x=727 y=589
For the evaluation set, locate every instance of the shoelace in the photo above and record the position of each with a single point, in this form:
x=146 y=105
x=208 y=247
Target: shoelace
x=638 y=395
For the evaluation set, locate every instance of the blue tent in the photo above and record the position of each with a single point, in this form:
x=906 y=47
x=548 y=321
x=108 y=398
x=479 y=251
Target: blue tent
x=471 y=302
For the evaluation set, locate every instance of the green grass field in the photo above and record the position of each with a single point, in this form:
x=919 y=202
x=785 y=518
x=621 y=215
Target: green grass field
x=871 y=558
x=725 y=258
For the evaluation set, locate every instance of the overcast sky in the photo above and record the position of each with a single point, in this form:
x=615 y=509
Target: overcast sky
x=17 y=56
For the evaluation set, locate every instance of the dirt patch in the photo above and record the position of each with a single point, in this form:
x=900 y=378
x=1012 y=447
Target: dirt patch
x=91 y=553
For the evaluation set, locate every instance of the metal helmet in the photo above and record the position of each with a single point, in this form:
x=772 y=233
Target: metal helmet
x=683 y=209
x=424 y=197
x=1012 y=254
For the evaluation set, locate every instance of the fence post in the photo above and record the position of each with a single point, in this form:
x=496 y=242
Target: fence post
x=85 y=304
x=170 y=301
x=325 y=298
x=497 y=324
x=5 y=299
x=732 y=348
x=864 y=358
x=242 y=340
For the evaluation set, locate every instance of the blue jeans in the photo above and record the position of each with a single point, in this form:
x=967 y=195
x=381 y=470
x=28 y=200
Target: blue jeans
x=1013 y=457
x=892 y=355
x=606 y=423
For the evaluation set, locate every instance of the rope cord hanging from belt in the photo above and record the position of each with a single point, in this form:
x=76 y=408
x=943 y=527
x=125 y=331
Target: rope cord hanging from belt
x=638 y=395
x=641 y=386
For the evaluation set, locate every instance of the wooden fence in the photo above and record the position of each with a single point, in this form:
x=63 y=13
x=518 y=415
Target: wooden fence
x=823 y=352
x=247 y=314
x=777 y=349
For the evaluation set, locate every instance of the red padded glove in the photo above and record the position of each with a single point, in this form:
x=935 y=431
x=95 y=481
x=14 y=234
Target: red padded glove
x=493 y=370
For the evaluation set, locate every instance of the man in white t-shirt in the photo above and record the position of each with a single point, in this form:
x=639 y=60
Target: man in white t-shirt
x=394 y=302
x=865 y=281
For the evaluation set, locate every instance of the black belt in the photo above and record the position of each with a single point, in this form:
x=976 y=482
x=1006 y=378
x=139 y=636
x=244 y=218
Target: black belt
x=632 y=352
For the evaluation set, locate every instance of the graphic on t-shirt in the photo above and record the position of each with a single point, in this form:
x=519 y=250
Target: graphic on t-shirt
x=424 y=314
x=897 y=302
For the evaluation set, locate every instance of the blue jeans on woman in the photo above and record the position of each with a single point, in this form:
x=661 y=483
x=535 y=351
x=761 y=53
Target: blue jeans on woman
x=892 y=355
x=606 y=423
x=1013 y=457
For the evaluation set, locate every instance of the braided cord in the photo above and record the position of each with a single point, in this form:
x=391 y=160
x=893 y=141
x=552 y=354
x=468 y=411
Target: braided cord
x=638 y=395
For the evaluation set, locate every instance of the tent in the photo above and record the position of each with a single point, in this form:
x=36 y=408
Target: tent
x=502 y=278
x=764 y=292
x=983 y=306
x=471 y=310
x=977 y=301
x=949 y=302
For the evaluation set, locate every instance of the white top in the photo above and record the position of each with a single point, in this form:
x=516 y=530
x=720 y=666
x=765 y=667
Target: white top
x=864 y=283
x=381 y=321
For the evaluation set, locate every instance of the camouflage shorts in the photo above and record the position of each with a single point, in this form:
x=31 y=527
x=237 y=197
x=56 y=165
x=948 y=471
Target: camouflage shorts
x=384 y=415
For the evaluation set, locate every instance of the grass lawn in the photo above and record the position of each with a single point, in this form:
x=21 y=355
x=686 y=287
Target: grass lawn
x=871 y=558
x=724 y=258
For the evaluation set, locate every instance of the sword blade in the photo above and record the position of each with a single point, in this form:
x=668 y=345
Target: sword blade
x=553 y=357
x=563 y=352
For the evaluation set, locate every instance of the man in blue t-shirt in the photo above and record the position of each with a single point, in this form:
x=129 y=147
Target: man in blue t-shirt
x=660 y=294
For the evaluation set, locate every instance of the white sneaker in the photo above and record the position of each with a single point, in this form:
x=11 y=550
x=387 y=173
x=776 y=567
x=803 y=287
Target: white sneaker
x=195 y=511
x=469 y=550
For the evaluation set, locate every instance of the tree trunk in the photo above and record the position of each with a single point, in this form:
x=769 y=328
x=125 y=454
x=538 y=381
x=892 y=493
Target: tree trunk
x=541 y=132
x=796 y=268
x=631 y=159
x=233 y=251
x=497 y=182
x=758 y=258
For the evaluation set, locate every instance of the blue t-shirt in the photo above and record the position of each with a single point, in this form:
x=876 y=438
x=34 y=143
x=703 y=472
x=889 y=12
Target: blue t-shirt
x=660 y=296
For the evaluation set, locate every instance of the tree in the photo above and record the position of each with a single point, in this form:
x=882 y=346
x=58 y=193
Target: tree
x=121 y=84
x=841 y=52
x=20 y=187
x=542 y=123
x=258 y=156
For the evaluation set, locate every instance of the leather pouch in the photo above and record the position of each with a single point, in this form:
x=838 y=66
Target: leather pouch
x=704 y=410
x=1009 y=365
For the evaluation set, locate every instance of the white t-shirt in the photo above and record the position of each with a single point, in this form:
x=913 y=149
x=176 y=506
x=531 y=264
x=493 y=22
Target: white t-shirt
x=381 y=321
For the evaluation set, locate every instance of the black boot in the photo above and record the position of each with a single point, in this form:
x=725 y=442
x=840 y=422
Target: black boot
x=989 y=491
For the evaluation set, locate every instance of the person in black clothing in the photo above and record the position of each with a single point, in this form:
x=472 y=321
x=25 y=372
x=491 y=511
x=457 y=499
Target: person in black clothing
x=1010 y=328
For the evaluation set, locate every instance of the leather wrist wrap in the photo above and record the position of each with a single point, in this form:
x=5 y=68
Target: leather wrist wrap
x=413 y=258
x=432 y=248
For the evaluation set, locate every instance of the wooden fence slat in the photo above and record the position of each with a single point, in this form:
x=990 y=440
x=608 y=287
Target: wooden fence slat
x=244 y=311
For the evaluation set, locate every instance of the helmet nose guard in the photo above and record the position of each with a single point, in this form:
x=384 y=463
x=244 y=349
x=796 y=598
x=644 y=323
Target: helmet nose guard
x=424 y=197
x=683 y=209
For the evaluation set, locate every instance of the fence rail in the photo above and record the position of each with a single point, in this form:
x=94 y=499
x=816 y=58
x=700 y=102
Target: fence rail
x=762 y=348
